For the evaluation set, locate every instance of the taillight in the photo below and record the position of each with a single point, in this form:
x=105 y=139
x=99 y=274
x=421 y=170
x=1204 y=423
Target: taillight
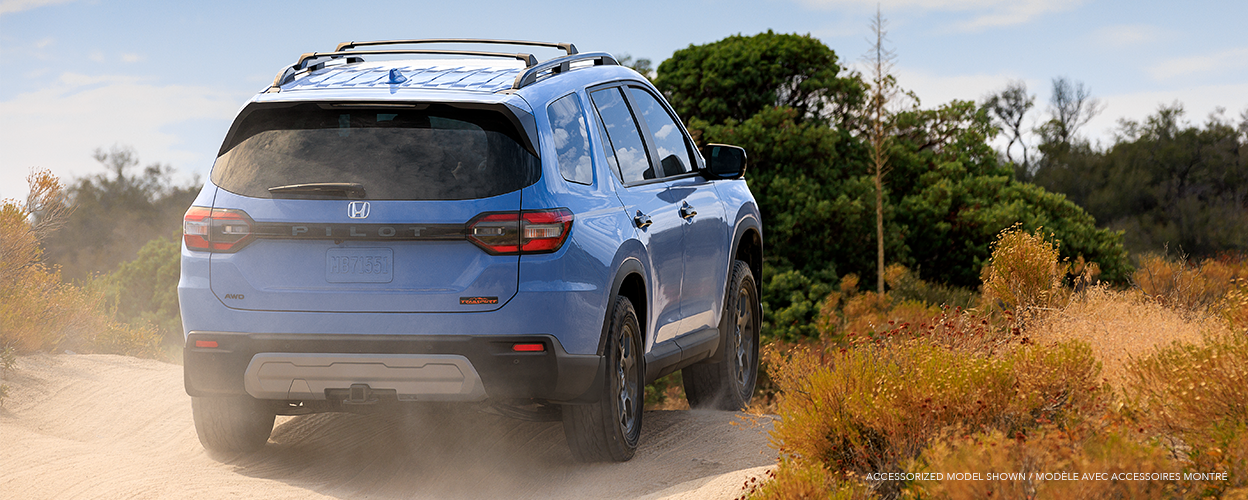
x=216 y=229
x=536 y=231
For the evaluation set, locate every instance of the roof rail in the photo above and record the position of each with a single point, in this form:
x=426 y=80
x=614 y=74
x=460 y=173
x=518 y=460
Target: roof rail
x=561 y=65
x=313 y=61
x=568 y=48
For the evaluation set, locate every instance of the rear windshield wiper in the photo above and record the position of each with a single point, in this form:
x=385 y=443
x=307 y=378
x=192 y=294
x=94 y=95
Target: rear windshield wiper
x=320 y=190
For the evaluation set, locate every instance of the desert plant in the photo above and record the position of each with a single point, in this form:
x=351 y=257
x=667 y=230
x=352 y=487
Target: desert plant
x=874 y=407
x=1192 y=395
x=37 y=310
x=1024 y=272
x=1181 y=284
x=905 y=285
x=1023 y=466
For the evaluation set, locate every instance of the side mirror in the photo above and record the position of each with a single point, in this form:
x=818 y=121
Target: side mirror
x=724 y=161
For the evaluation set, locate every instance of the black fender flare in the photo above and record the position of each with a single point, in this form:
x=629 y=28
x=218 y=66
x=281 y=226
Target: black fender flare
x=630 y=265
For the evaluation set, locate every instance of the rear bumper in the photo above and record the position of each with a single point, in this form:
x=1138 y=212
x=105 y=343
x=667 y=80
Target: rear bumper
x=416 y=367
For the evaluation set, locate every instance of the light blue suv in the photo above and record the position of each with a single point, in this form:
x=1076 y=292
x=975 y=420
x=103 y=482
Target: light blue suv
x=455 y=225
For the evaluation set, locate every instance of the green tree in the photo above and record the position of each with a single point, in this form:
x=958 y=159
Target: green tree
x=1167 y=184
x=741 y=76
x=812 y=173
x=115 y=214
x=144 y=291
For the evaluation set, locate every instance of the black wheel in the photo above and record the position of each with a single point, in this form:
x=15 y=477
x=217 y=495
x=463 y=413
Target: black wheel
x=728 y=382
x=609 y=429
x=231 y=424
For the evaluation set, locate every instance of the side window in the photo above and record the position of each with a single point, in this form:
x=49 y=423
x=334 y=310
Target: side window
x=607 y=150
x=630 y=151
x=571 y=139
x=674 y=151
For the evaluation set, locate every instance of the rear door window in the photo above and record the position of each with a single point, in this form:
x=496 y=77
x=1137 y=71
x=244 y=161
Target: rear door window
x=383 y=153
x=630 y=152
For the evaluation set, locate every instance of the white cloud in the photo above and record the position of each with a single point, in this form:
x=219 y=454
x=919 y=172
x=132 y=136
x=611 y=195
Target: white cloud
x=11 y=6
x=1227 y=60
x=59 y=126
x=935 y=90
x=988 y=13
x=131 y=58
x=1128 y=35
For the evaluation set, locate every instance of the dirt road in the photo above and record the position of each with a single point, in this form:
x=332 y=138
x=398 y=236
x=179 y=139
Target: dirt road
x=99 y=426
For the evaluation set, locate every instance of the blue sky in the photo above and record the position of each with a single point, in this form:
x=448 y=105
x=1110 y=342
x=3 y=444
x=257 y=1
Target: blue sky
x=167 y=77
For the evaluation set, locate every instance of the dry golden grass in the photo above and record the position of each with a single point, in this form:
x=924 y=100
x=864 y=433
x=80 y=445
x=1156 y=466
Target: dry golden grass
x=1121 y=326
x=1041 y=378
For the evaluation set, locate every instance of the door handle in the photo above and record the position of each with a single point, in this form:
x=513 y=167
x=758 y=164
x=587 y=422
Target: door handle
x=641 y=220
x=687 y=211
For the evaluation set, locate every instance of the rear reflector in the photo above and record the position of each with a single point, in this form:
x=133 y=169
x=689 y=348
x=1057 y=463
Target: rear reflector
x=528 y=347
x=209 y=344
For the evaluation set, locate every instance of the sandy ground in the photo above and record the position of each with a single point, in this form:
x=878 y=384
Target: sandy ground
x=99 y=426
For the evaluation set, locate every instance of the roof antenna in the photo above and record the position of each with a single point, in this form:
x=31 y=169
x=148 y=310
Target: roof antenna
x=396 y=77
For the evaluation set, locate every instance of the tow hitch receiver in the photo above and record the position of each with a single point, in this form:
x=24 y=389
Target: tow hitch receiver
x=360 y=394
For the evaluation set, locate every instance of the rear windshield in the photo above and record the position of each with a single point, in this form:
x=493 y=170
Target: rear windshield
x=383 y=153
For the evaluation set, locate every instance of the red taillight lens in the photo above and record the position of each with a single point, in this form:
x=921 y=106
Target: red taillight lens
x=545 y=231
x=206 y=344
x=216 y=229
x=539 y=231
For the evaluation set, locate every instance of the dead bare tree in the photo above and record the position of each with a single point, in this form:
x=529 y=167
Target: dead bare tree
x=1007 y=109
x=883 y=90
x=1072 y=106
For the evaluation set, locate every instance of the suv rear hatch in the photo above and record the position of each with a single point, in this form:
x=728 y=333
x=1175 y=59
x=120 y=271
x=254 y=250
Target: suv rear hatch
x=356 y=207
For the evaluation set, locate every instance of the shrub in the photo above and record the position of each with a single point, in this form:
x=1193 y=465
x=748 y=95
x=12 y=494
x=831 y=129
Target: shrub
x=1182 y=285
x=144 y=291
x=1047 y=450
x=38 y=312
x=1193 y=394
x=791 y=303
x=905 y=285
x=874 y=408
x=1024 y=272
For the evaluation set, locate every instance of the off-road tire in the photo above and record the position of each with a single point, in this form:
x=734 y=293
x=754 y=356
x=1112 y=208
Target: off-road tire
x=232 y=424
x=608 y=431
x=728 y=382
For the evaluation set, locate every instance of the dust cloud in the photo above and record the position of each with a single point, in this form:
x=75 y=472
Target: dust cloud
x=100 y=426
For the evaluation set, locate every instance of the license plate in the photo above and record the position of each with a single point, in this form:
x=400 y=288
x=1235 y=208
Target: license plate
x=359 y=265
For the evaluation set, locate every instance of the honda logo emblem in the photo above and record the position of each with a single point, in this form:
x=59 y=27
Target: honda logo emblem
x=358 y=210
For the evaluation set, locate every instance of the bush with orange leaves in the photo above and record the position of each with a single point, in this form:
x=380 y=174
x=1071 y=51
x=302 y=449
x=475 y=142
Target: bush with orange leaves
x=39 y=312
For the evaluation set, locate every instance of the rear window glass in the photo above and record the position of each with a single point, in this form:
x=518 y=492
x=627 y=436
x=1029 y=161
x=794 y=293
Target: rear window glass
x=435 y=153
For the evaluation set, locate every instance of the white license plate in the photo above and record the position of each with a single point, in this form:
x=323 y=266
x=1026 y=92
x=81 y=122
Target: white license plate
x=359 y=265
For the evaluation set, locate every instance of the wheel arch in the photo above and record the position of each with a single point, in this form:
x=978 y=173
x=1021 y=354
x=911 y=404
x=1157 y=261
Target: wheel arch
x=747 y=246
x=629 y=282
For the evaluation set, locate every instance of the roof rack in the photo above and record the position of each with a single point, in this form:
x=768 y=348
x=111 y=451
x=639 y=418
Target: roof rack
x=560 y=65
x=568 y=48
x=534 y=70
x=313 y=61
